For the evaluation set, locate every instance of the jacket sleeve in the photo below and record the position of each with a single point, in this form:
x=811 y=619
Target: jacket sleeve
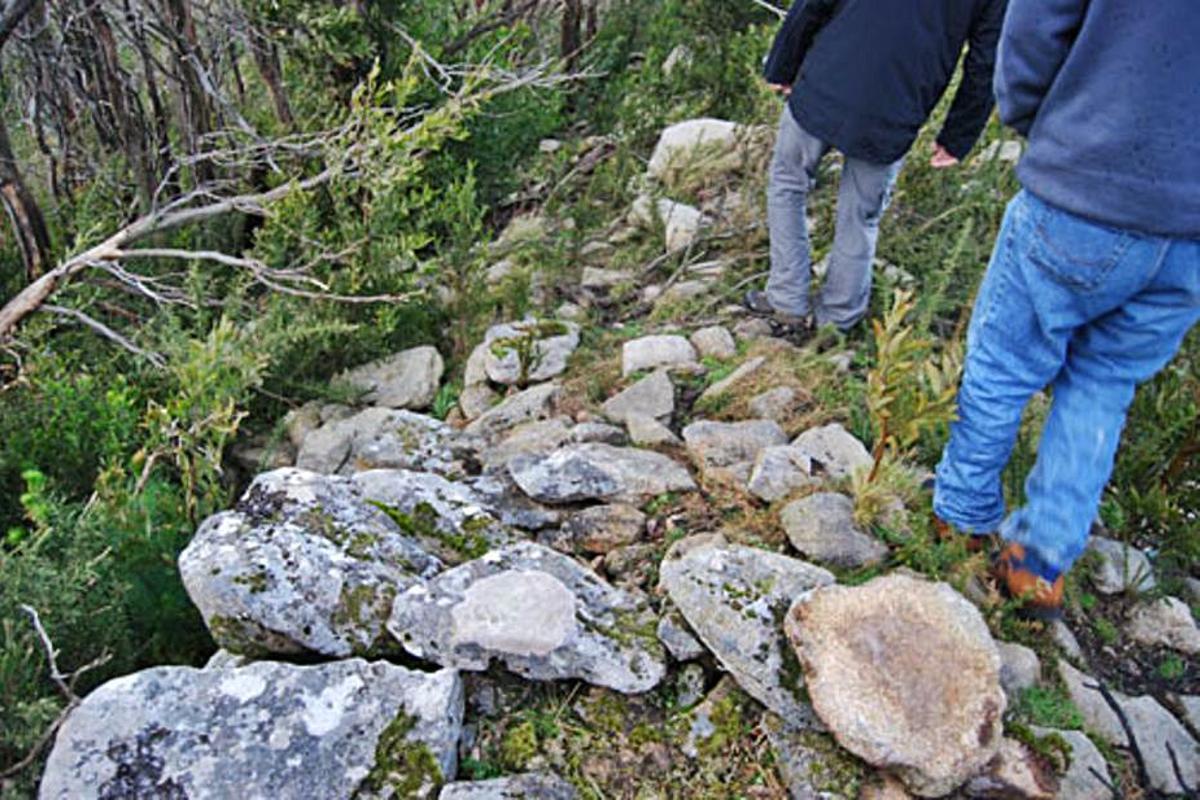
x=803 y=22
x=1038 y=35
x=974 y=100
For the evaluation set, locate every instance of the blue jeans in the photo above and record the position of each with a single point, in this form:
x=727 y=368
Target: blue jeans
x=863 y=196
x=1089 y=310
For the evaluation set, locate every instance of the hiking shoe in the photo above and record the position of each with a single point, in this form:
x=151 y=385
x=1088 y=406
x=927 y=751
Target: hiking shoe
x=1022 y=576
x=974 y=542
x=756 y=302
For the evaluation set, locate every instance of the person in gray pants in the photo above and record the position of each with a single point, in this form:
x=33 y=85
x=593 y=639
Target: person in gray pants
x=863 y=79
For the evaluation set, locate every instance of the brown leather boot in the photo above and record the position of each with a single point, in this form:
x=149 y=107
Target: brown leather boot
x=1042 y=599
x=975 y=543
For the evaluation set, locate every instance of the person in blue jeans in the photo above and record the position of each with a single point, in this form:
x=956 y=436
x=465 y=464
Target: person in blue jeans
x=862 y=76
x=1095 y=278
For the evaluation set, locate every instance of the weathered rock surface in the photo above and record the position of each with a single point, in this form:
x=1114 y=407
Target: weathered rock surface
x=1080 y=781
x=585 y=472
x=1119 y=567
x=834 y=450
x=675 y=635
x=649 y=432
x=933 y=721
x=730 y=381
x=302 y=564
x=540 y=613
x=681 y=221
x=714 y=342
x=734 y=599
x=601 y=281
x=405 y=380
x=712 y=140
x=1166 y=622
x=534 y=785
x=536 y=438
x=1189 y=709
x=652 y=396
x=1153 y=727
x=808 y=762
x=507 y=503
x=777 y=404
x=821 y=526
x=729 y=449
x=598 y=433
x=530 y=351
x=339 y=730
x=381 y=438
x=536 y=402
x=652 y=352
x=600 y=529
x=779 y=471
x=477 y=400
x=1016 y=771
x=1020 y=668
x=446 y=518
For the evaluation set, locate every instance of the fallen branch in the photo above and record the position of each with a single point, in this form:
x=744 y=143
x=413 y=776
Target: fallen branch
x=64 y=682
x=779 y=12
x=107 y=332
x=1134 y=749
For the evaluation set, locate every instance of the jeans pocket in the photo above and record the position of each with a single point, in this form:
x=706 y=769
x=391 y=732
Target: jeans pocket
x=1075 y=252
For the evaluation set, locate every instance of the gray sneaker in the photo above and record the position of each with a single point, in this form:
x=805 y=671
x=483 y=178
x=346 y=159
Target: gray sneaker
x=757 y=303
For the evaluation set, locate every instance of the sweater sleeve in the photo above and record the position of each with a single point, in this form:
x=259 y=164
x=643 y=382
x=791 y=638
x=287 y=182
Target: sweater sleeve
x=800 y=27
x=974 y=100
x=1038 y=35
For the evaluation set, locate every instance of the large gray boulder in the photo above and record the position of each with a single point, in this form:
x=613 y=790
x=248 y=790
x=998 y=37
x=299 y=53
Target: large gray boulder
x=408 y=379
x=539 y=613
x=734 y=598
x=446 y=518
x=586 y=472
x=906 y=675
x=348 y=729
x=382 y=438
x=531 y=351
x=303 y=564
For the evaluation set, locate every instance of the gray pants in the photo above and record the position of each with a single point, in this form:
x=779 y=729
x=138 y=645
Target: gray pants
x=862 y=198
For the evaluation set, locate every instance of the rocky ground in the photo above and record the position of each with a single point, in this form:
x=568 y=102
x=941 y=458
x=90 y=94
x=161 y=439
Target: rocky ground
x=633 y=563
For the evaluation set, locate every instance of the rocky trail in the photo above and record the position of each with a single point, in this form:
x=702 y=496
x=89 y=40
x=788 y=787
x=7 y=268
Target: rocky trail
x=625 y=566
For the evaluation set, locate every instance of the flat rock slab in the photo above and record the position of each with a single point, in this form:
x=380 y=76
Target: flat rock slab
x=653 y=352
x=810 y=763
x=534 y=786
x=714 y=342
x=601 y=529
x=652 y=396
x=1016 y=771
x=531 y=351
x=1166 y=622
x=906 y=676
x=382 y=438
x=821 y=526
x=446 y=518
x=585 y=472
x=778 y=471
x=303 y=564
x=733 y=379
x=540 y=437
x=834 y=451
x=541 y=614
x=735 y=598
x=1087 y=777
x=1158 y=733
x=405 y=380
x=729 y=449
x=340 y=730
x=536 y=402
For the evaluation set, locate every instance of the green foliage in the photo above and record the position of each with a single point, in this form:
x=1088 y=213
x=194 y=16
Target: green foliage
x=1048 y=707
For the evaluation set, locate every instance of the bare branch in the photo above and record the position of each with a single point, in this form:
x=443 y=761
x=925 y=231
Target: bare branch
x=107 y=332
x=779 y=12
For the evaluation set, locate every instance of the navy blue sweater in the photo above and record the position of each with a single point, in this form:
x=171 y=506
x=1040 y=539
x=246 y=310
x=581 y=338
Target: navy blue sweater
x=867 y=73
x=1108 y=92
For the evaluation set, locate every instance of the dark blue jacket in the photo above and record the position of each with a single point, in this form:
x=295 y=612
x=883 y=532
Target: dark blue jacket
x=1108 y=92
x=867 y=73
